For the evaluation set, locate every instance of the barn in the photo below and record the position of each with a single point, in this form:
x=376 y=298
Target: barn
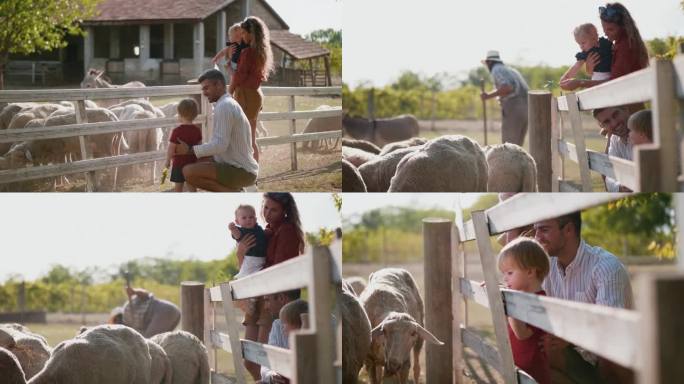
x=168 y=42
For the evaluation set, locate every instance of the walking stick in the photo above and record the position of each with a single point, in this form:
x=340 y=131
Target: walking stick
x=484 y=111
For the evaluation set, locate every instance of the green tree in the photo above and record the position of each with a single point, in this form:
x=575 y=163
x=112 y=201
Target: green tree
x=28 y=26
x=328 y=36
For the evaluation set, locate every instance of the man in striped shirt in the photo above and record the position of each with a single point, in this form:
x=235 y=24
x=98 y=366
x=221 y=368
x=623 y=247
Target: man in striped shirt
x=580 y=272
x=613 y=122
x=232 y=165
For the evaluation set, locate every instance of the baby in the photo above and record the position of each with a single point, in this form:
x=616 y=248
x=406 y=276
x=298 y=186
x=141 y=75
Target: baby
x=640 y=127
x=235 y=41
x=524 y=265
x=589 y=42
x=255 y=257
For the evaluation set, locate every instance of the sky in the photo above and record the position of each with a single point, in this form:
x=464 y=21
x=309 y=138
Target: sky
x=305 y=16
x=384 y=37
x=105 y=230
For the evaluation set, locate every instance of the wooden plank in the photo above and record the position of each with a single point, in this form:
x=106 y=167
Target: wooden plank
x=556 y=160
x=539 y=207
x=192 y=308
x=487 y=258
x=209 y=325
x=299 y=115
x=661 y=333
x=605 y=331
x=82 y=117
x=619 y=169
x=678 y=65
x=293 y=130
x=679 y=217
x=647 y=173
x=665 y=133
x=482 y=348
x=215 y=294
x=580 y=146
x=320 y=304
x=437 y=250
x=281 y=277
x=298 y=138
x=233 y=333
x=278 y=359
x=562 y=103
x=457 y=308
x=302 y=91
x=629 y=89
x=473 y=290
x=217 y=378
x=566 y=186
x=303 y=344
x=220 y=340
x=540 y=120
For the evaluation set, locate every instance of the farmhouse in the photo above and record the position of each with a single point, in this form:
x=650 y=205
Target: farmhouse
x=168 y=42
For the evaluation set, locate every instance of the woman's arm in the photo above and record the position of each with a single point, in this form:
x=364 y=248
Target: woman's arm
x=170 y=151
x=520 y=329
x=571 y=72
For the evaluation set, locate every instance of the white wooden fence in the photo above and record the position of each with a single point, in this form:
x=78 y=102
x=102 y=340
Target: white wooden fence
x=655 y=167
x=311 y=357
x=647 y=340
x=82 y=128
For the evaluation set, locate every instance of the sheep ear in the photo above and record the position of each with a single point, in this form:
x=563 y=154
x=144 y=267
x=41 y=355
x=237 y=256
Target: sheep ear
x=377 y=333
x=427 y=336
x=82 y=329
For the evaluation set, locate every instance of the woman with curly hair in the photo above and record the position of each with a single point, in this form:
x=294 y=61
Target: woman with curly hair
x=254 y=67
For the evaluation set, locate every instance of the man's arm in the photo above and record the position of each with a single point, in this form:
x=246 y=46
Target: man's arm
x=221 y=135
x=613 y=288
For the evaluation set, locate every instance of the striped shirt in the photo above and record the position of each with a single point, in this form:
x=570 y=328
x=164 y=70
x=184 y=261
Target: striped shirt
x=622 y=148
x=231 y=140
x=276 y=338
x=595 y=276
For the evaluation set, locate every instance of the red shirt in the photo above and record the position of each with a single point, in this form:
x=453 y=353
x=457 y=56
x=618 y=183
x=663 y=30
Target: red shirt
x=191 y=135
x=625 y=58
x=247 y=74
x=283 y=243
x=528 y=354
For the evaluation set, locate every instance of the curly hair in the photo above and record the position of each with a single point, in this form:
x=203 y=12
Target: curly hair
x=261 y=44
x=289 y=205
x=629 y=26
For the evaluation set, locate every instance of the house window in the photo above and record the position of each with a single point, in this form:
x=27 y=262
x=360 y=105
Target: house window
x=157 y=41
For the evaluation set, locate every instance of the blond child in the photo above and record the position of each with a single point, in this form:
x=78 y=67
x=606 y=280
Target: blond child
x=231 y=52
x=589 y=42
x=246 y=223
x=190 y=134
x=640 y=127
x=524 y=264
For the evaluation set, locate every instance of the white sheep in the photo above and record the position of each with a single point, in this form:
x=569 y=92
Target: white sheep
x=361 y=144
x=106 y=354
x=452 y=163
x=322 y=124
x=356 y=156
x=10 y=368
x=358 y=283
x=30 y=349
x=188 y=356
x=378 y=173
x=356 y=329
x=395 y=310
x=412 y=142
x=351 y=178
x=161 y=370
x=511 y=169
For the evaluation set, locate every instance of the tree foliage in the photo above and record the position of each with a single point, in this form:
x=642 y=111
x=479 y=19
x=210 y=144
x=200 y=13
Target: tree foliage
x=332 y=40
x=28 y=26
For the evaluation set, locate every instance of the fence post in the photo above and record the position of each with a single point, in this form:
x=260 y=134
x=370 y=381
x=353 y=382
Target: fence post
x=209 y=325
x=21 y=301
x=487 y=258
x=437 y=249
x=192 y=308
x=371 y=104
x=660 y=306
x=320 y=311
x=540 y=128
x=233 y=331
x=82 y=117
x=457 y=311
x=664 y=119
x=578 y=134
x=556 y=135
x=293 y=130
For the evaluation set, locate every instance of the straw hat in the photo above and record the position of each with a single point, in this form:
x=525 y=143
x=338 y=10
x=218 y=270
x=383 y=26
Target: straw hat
x=492 y=56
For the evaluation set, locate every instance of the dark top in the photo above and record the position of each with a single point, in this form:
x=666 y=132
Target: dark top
x=247 y=74
x=528 y=354
x=191 y=135
x=283 y=243
x=259 y=248
x=238 y=48
x=605 y=52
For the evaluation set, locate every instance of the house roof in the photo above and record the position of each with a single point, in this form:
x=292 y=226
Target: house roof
x=120 y=12
x=296 y=46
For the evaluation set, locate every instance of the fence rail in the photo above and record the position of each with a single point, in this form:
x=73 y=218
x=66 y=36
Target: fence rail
x=83 y=128
x=652 y=168
x=644 y=340
x=311 y=355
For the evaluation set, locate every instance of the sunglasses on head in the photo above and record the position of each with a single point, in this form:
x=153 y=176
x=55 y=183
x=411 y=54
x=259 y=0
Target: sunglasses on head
x=610 y=14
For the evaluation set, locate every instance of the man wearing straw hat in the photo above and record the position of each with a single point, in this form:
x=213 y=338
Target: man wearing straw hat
x=511 y=90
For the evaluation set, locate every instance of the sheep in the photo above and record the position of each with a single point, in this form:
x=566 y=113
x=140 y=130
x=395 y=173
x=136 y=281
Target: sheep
x=378 y=173
x=188 y=356
x=361 y=144
x=106 y=354
x=9 y=110
x=358 y=283
x=357 y=330
x=97 y=79
x=10 y=368
x=351 y=178
x=511 y=169
x=412 y=142
x=452 y=163
x=357 y=156
x=170 y=109
x=161 y=370
x=322 y=124
x=395 y=310
x=31 y=350
x=381 y=131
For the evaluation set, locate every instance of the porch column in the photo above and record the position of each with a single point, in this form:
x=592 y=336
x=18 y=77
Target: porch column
x=168 y=41
x=221 y=30
x=114 y=52
x=144 y=45
x=198 y=47
x=88 y=48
